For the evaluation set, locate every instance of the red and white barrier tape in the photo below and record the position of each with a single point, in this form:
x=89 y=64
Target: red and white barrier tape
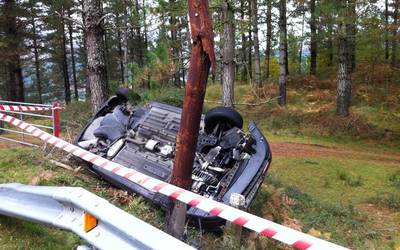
x=267 y=228
x=22 y=108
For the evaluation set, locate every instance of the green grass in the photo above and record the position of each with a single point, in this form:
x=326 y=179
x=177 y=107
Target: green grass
x=18 y=234
x=334 y=179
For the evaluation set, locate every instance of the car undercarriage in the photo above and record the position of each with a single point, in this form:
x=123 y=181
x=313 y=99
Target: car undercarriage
x=227 y=159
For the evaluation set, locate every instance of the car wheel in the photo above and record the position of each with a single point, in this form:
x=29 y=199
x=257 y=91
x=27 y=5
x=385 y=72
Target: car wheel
x=222 y=115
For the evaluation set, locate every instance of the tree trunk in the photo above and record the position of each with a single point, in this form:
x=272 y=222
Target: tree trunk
x=228 y=54
x=351 y=31
x=394 y=33
x=84 y=52
x=256 y=45
x=146 y=43
x=37 y=62
x=330 y=42
x=120 y=51
x=139 y=38
x=387 y=30
x=125 y=47
x=243 y=61
x=64 y=62
x=313 y=38
x=301 y=45
x=269 y=37
x=71 y=45
x=343 y=77
x=174 y=42
x=96 y=68
x=282 y=53
x=15 y=84
x=250 y=46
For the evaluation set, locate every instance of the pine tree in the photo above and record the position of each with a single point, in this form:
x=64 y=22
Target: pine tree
x=343 y=76
x=96 y=66
x=15 y=83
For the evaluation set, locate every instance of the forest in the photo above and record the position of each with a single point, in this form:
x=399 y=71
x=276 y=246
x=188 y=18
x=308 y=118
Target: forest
x=320 y=79
x=146 y=44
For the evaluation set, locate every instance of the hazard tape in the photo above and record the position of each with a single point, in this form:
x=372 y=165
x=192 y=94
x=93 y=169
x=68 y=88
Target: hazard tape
x=262 y=226
x=22 y=108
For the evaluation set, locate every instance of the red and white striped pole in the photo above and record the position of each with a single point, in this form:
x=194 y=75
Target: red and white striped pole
x=56 y=120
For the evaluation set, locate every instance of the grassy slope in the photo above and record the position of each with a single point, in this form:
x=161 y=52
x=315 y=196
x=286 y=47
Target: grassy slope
x=348 y=200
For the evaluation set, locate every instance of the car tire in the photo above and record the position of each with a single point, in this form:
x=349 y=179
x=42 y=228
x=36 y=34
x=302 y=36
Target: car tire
x=222 y=114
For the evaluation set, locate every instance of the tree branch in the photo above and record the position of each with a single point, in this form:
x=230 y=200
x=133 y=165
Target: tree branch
x=80 y=24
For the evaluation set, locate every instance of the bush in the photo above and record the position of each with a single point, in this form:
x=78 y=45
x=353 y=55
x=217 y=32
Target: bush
x=168 y=95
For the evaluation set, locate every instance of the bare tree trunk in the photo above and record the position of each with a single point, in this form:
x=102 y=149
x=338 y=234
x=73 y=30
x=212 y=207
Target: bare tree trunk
x=15 y=84
x=71 y=45
x=394 y=32
x=343 y=78
x=84 y=52
x=330 y=42
x=313 y=38
x=387 y=30
x=175 y=43
x=269 y=37
x=243 y=52
x=125 y=47
x=96 y=67
x=351 y=35
x=120 y=51
x=139 y=37
x=64 y=62
x=286 y=51
x=228 y=54
x=301 y=44
x=256 y=45
x=146 y=44
x=282 y=53
x=250 y=46
x=37 y=62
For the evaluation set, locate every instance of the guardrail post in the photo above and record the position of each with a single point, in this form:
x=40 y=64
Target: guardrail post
x=56 y=120
x=235 y=231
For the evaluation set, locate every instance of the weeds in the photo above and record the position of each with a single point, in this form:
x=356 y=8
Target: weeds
x=334 y=219
x=350 y=180
x=394 y=179
x=387 y=200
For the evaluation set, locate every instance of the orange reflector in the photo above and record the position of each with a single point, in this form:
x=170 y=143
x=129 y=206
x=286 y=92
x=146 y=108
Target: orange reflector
x=89 y=222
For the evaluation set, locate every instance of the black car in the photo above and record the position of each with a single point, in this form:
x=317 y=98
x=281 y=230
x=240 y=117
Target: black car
x=227 y=161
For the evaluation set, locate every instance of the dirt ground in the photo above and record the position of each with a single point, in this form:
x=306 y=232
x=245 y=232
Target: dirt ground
x=314 y=150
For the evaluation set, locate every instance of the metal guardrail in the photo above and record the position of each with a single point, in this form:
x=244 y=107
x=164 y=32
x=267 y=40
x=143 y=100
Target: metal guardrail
x=53 y=117
x=65 y=208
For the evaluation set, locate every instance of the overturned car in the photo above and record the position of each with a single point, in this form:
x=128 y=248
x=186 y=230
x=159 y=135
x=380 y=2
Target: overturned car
x=227 y=161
